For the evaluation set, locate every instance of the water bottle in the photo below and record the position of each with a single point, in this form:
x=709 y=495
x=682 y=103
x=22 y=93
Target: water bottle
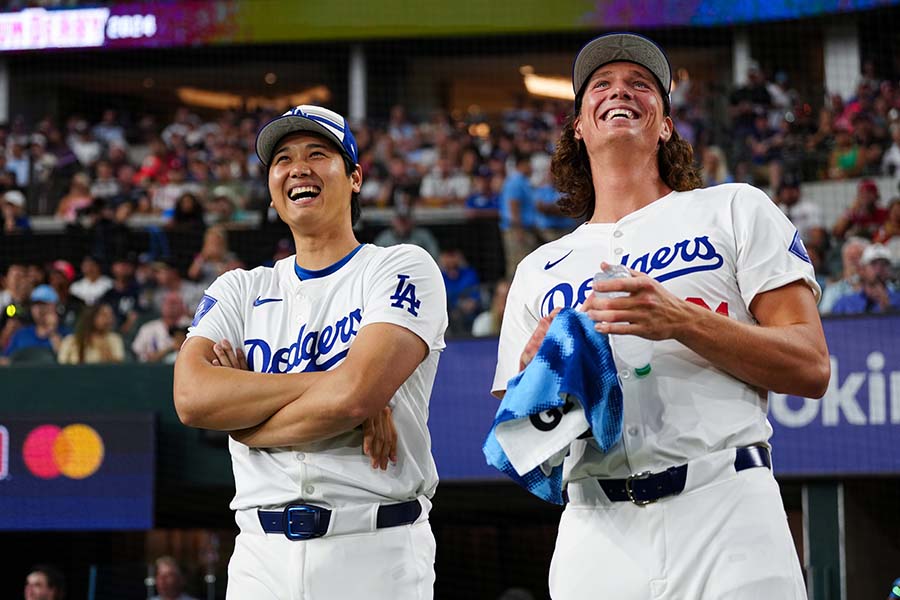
x=633 y=350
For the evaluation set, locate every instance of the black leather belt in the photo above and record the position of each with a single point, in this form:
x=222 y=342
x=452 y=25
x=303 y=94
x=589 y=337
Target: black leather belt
x=646 y=487
x=308 y=521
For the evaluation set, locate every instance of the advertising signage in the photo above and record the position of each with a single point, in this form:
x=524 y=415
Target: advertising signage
x=854 y=429
x=170 y=24
x=77 y=472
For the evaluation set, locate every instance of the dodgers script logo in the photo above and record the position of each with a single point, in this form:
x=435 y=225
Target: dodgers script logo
x=668 y=262
x=307 y=350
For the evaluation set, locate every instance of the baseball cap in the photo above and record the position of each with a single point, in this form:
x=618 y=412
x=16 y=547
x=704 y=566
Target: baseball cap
x=306 y=117
x=868 y=185
x=44 y=293
x=15 y=197
x=627 y=47
x=875 y=252
x=64 y=267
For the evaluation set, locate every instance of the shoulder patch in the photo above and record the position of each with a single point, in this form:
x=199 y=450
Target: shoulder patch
x=798 y=249
x=203 y=307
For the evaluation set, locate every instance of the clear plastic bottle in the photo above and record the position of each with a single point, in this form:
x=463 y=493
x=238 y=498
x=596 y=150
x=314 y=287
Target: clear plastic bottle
x=635 y=351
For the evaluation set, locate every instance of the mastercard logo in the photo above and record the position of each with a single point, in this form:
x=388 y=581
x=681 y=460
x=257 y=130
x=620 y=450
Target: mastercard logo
x=74 y=451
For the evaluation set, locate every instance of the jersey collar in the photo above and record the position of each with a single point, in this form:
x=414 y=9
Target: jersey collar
x=305 y=274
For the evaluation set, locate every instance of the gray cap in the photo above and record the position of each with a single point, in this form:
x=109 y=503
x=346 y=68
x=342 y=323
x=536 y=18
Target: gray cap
x=307 y=117
x=627 y=47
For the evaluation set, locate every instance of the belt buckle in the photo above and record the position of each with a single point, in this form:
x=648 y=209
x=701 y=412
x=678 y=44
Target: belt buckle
x=630 y=492
x=305 y=518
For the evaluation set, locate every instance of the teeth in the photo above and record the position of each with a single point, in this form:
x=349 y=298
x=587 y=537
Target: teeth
x=305 y=191
x=619 y=112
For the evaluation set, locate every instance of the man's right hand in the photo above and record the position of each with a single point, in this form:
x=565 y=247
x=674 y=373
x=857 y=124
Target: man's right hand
x=537 y=338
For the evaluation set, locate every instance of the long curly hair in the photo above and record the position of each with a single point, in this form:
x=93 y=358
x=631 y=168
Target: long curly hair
x=571 y=170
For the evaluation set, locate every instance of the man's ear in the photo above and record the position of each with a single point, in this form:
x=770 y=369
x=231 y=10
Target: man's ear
x=665 y=133
x=356 y=179
x=576 y=128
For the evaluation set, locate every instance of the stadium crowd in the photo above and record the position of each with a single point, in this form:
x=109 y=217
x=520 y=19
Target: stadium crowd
x=116 y=173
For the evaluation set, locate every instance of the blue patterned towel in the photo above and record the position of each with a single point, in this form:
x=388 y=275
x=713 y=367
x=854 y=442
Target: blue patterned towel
x=570 y=386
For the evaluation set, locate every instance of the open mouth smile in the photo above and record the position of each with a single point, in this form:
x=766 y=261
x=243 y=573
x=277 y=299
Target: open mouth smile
x=303 y=192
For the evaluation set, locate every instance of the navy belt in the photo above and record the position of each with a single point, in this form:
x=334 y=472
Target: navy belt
x=646 y=487
x=308 y=521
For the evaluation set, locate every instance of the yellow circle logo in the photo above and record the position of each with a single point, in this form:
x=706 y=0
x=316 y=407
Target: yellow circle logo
x=75 y=451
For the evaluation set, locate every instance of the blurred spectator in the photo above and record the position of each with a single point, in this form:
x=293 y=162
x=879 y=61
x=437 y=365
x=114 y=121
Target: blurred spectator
x=105 y=184
x=18 y=161
x=765 y=151
x=890 y=162
x=164 y=197
x=46 y=332
x=214 y=257
x=851 y=255
x=488 y=322
x=76 y=200
x=804 y=214
x=15 y=290
x=45 y=582
x=169 y=580
x=744 y=103
x=224 y=207
x=846 y=159
x=108 y=130
x=43 y=167
x=403 y=230
x=60 y=276
x=93 y=283
x=124 y=296
x=517 y=214
x=444 y=185
x=463 y=291
x=94 y=340
x=876 y=294
x=83 y=144
x=889 y=233
x=167 y=278
x=714 y=166
x=187 y=214
x=13 y=218
x=154 y=339
x=551 y=223
x=864 y=217
x=484 y=201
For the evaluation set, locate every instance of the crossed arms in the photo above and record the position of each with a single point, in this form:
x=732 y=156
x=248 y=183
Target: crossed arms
x=269 y=410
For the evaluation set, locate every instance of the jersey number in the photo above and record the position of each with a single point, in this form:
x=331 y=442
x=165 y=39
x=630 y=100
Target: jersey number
x=406 y=294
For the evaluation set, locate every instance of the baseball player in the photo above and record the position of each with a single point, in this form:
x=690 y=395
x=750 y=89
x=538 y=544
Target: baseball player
x=340 y=335
x=685 y=505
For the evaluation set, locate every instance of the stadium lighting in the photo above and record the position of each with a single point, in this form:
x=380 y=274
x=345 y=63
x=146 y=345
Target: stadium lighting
x=551 y=87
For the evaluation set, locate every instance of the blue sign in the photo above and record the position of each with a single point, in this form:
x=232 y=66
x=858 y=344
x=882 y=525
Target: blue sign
x=77 y=472
x=853 y=430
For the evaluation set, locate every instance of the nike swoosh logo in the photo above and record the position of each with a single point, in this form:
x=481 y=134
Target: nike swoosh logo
x=260 y=301
x=550 y=265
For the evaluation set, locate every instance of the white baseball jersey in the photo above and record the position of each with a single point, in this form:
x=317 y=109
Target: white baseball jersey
x=718 y=247
x=286 y=324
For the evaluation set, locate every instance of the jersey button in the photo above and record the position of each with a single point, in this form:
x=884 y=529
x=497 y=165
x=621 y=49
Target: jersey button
x=300 y=456
x=632 y=431
x=618 y=234
x=625 y=374
x=309 y=489
x=618 y=251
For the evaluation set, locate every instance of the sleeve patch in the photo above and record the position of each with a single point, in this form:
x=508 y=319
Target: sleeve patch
x=204 y=306
x=405 y=296
x=798 y=249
